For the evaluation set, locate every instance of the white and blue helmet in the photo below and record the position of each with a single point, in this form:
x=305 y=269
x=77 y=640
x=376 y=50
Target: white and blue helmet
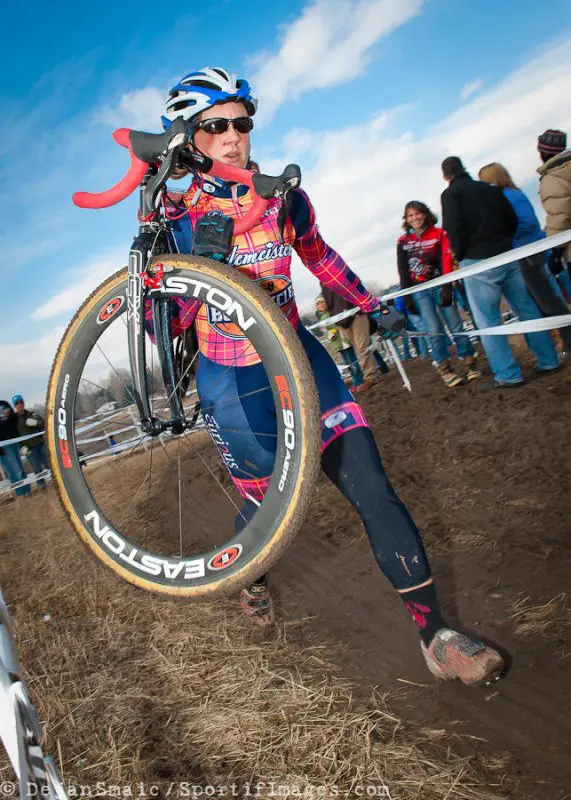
x=203 y=89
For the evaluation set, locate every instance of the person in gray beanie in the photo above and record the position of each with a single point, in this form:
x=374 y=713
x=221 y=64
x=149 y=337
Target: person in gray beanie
x=555 y=192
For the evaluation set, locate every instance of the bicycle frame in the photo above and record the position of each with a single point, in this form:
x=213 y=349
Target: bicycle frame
x=20 y=730
x=151 y=239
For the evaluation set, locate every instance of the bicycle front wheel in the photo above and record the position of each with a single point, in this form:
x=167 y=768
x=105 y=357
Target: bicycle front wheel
x=166 y=513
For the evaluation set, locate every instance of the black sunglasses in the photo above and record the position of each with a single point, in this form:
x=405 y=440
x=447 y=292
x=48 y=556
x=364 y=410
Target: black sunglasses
x=221 y=124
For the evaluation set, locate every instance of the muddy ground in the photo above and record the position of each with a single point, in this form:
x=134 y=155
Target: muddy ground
x=486 y=476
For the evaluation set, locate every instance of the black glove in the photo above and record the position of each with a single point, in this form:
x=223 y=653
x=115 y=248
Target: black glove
x=389 y=321
x=556 y=260
x=446 y=295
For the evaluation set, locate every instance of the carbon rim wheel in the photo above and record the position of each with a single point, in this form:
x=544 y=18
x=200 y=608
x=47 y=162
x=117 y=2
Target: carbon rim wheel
x=106 y=501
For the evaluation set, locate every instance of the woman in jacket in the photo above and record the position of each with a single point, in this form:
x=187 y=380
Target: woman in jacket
x=533 y=268
x=555 y=191
x=424 y=253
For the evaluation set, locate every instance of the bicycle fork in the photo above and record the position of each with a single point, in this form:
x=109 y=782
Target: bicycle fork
x=139 y=255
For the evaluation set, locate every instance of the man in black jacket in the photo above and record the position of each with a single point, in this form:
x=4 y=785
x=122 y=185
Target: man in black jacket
x=480 y=223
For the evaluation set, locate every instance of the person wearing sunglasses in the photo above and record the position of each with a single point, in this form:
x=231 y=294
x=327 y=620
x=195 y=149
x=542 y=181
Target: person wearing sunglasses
x=220 y=107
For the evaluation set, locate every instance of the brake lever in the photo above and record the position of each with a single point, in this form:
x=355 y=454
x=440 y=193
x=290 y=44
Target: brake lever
x=156 y=184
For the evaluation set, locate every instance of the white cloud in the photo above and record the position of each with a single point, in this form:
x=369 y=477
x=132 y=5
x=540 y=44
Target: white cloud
x=329 y=44
x=471 y=88
x=17 y=376
x=359 y=181
x=86 y=279
x=362 y=176
x=140 y=110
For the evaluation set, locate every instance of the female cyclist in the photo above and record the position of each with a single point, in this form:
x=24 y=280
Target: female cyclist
x=220 y=109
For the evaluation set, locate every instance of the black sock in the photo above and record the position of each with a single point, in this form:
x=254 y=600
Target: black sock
x=422 y=605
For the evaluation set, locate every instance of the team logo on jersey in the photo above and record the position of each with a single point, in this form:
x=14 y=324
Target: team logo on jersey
x=280 y=289
x=223 y=325
x=271 y=251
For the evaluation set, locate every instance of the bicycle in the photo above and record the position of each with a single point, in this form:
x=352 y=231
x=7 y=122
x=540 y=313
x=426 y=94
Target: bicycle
x=20 y=730
x=165 y=551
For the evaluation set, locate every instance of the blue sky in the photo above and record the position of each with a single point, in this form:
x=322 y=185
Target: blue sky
x=367 y=95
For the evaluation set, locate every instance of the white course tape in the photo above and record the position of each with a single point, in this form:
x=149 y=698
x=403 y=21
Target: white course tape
x=99 y=422
x=488 y=263
x=511 y=328
x=21 y=438
x=542 y=324
x=6 y=487
x=106 y=436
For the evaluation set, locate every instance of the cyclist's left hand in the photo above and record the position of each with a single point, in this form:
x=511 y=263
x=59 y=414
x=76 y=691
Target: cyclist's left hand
x=389 y=321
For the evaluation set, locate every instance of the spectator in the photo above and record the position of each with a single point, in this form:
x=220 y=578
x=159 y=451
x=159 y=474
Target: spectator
x=357 y=330
x=555 y=192
x=481 y=223
x=423 y=253
x=31 y=422
x=10 y=453
x=533 y=269
x=340 y=344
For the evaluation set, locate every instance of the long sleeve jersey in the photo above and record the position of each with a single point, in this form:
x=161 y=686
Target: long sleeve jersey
x=422 y=258
x=261 y=256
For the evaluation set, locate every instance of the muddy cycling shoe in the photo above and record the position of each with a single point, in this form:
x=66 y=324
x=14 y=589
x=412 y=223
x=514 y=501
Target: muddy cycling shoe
x=453 y=655
x=256 y=602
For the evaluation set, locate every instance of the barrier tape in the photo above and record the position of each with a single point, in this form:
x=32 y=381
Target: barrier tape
x=513 y=328
x=21 y=438
x=488 y=263
x=500 y=260
x=6 y=486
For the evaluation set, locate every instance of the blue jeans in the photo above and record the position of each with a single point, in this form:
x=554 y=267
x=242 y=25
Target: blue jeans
x=349 y=357
x=39 y=461
x=414 y=323
x=428 y=304
x=405 y=341
x=380 y=362
x=485 y=293
x=11 y=462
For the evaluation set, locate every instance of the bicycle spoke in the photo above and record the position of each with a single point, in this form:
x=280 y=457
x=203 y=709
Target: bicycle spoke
x=179 y=500
x=191 y=499
x=150 y=484
x=183 y=376
x=123 y=384
x=235 y=400
x=116 y=467
x=186 y=437
x=248 y=433
x=134 y=497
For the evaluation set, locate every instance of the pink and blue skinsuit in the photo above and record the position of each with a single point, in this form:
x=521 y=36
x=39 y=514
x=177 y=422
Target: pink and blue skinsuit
x=241 y=419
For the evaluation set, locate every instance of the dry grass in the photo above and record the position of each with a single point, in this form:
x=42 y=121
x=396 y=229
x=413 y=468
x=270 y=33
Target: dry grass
x=552 y=618
x=133 y=688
